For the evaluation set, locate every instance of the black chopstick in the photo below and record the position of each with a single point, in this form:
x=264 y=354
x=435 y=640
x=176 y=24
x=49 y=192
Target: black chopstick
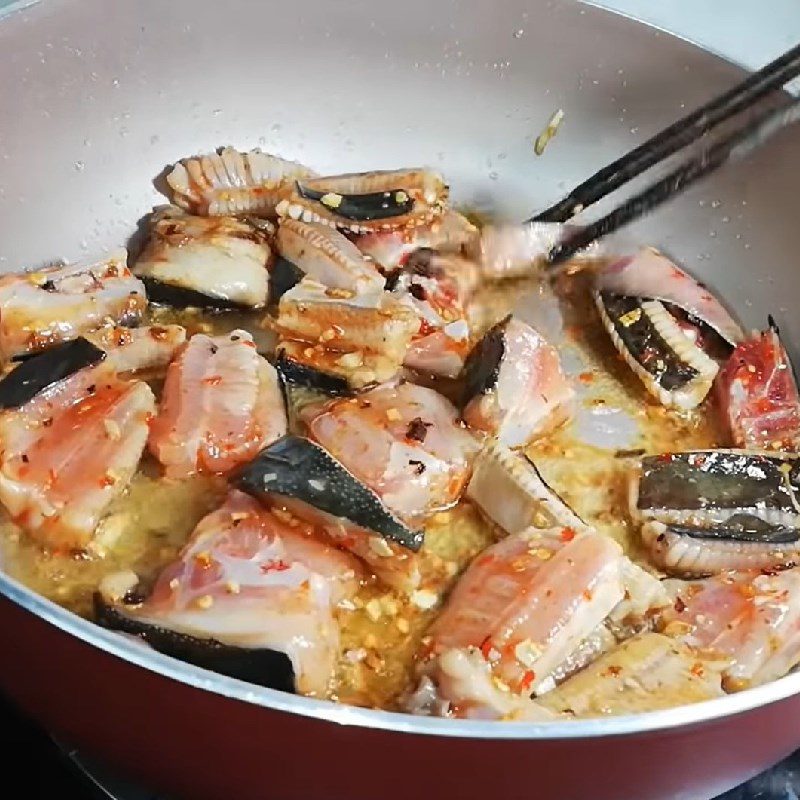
x=731 y=148
x=675 y=137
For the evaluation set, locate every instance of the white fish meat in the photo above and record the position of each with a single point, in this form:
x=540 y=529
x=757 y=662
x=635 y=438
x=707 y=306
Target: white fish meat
x=529 y=601
x=70 y=451
x=221 y=404
x=133 y=349
x=402 y=441
x=750 y=619
x=515 y=388
x=205 y=261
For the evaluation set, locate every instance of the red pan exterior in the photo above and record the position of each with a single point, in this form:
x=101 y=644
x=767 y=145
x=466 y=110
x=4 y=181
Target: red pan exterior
x=198 y=745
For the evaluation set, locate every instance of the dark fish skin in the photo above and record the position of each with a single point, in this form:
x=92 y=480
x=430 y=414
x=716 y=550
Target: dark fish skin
x=719 y=479
x=644 y=343
x=35 y=374
x=482 y=367
x=293 y=373
x=373 y=205
x=181 y=297
x=297 y=468
x=283 y=275
x=260 y=666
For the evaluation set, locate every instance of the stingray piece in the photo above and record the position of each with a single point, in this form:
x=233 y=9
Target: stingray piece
x=511 y=492
x=206 y=262
x=43 y=308
x=368 y=201
x=670 y=329
x=709 y=511
x=514 y=387
x=650 y=274
x=300 y=478
x=232 y=182
x=327 y=256
x=757 y=393
x=249 y=595
x=299 y=469
x=71 y=449
x=671 y=365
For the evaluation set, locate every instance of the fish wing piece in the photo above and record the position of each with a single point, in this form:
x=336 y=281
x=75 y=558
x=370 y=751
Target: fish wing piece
x=302 y=479
x=248 y=580
x=233 y=182
x=645 y=673
x=368 y=201
x=339 y=320
x=757 y=394
x=133 y=349
x=327 y=256
x=749 y=618
x=221 y=404
x=213 y=261
x=703 y=512
x=402 y=441
x=706 y=488
x=459 y=683
x=667 y=354
x=70 y=451
x=510 y=492
x=651 y=275
x=528 y=601
x=515 y=388
x=56 y=304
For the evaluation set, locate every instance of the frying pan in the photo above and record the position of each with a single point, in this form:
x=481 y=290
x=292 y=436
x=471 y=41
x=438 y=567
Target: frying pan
x=99 y=96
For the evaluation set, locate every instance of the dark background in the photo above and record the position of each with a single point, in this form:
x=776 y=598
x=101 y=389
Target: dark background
x=29 y=758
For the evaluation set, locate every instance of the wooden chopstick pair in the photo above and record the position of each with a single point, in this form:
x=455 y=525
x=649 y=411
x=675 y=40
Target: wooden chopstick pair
x=732 y=147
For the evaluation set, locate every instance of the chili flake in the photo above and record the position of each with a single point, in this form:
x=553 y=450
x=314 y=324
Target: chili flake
x=417 y=429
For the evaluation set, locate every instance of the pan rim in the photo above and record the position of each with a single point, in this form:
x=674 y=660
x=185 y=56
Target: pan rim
x=137 y=654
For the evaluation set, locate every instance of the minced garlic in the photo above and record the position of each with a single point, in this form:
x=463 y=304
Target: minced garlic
x=331 y=199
